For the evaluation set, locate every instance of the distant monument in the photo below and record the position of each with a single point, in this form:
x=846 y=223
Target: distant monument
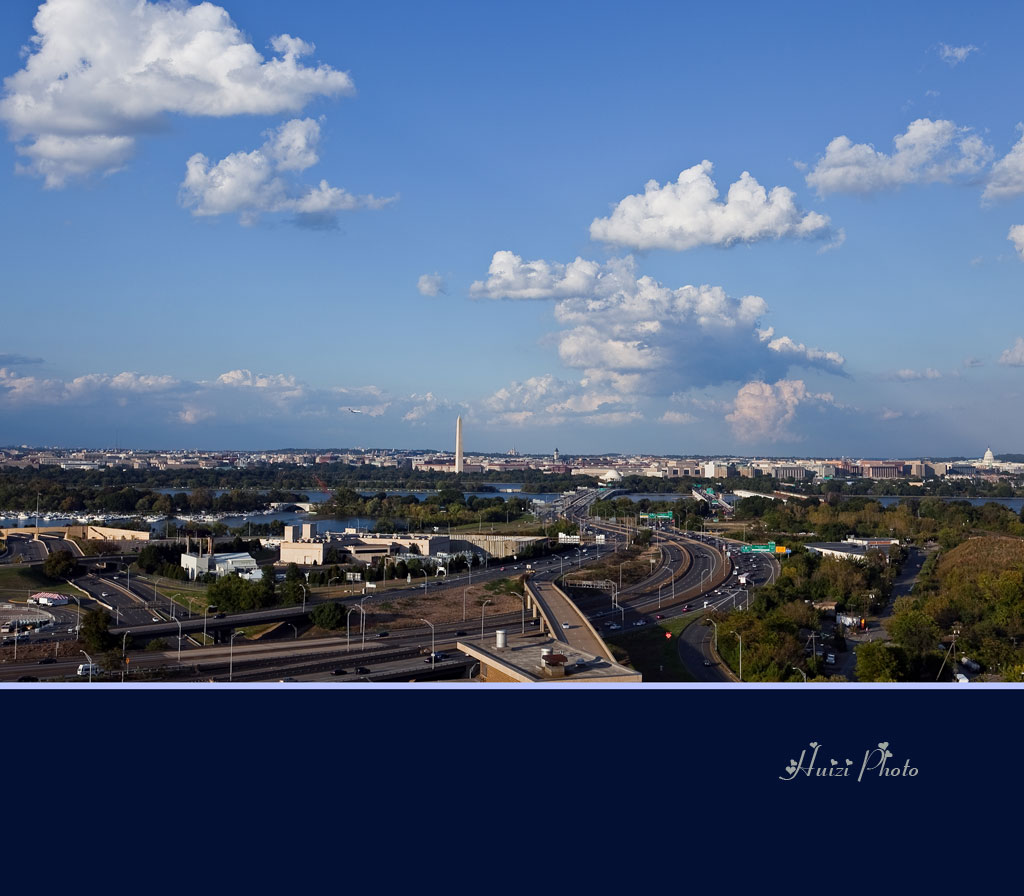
x=989 y=457
x=458 y=444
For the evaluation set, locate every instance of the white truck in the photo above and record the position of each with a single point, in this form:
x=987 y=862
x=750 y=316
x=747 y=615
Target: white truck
x=89 y=669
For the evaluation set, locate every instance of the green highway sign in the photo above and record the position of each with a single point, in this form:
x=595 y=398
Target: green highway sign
x=758 y=548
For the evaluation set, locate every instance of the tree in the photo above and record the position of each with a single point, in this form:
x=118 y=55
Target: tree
x=60 y=565
x=96 y=631
x=914 y=631
x=877 y=662
x=328 y=616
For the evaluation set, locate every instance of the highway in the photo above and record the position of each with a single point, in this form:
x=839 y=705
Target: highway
x=694 y=573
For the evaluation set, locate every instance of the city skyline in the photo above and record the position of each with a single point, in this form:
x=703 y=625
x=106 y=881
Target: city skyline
x=739 y=233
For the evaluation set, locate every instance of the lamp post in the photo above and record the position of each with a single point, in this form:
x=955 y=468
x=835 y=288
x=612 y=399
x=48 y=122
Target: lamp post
x=89 y=658
x=78 y=626
x=348 y=628
x=295 y=627
x=738 y=635
x=175 y=618
x=464 y=590
x=170 y=600
x=715 y=624
x=482 y=609
x=303 y=587
x=432 y=653
x=207 y=610
x=124 y=642
x=231 y=655
x=662 y=585
x=801 y=671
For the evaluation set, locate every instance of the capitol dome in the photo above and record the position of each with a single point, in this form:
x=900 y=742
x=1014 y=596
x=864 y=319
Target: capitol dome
x=989 y=458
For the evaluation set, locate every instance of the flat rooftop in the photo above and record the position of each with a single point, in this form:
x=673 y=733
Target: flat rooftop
x=533 y=659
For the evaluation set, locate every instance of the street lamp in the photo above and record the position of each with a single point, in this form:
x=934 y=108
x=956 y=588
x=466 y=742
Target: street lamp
x=482 y=609
x=124 y=641
x=348 y=628
x=801 y=671
x=207 y=610
x=432 y=653
x=175 y=618
x=715 y=624
x=738 y=635
x=464 y=590
x=303 y=587
x=294 y=626
x=89 y=658
x=231 y=655
x=662 y=585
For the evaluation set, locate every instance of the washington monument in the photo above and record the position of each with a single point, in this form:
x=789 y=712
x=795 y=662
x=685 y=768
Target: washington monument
x=458 y=444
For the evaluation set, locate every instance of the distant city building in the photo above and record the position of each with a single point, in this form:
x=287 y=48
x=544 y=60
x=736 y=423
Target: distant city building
x=220 y=565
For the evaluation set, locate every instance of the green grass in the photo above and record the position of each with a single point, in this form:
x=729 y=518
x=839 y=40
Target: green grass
x=653 y=655
x=20 y=582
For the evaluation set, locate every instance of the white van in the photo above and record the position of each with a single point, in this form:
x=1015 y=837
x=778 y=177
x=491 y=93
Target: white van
x=89 y=668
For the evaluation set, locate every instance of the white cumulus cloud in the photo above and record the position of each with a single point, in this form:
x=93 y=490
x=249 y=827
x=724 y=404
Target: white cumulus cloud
x=616 y=324
x=1016 y=236
x=688 y=213
x=430 y=284
x=251 y=183
x=1014 y=355
x=929 y=151
x=99 y=73
x=1006 y=178
x=765 y=410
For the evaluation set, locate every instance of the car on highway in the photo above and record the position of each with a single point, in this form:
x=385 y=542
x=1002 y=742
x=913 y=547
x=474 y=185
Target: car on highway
x=686 y=608
x=436 y=657
x=565 y=625
x=46 y=660
x=338 y=672
x=362 y=670
x=658 y=616
x=460 y=633
x=614 y=626
x=639 y=622
x=383 y=634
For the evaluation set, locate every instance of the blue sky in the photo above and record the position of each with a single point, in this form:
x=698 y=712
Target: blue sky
x=659 y=228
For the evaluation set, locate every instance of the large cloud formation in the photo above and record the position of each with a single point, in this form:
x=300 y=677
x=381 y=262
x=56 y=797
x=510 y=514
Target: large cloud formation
x=688 y=213
x=101 y=72
x=929 y=151
x=252 y=183
x=763 y=411
x=633 y=338
x=618 y=323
